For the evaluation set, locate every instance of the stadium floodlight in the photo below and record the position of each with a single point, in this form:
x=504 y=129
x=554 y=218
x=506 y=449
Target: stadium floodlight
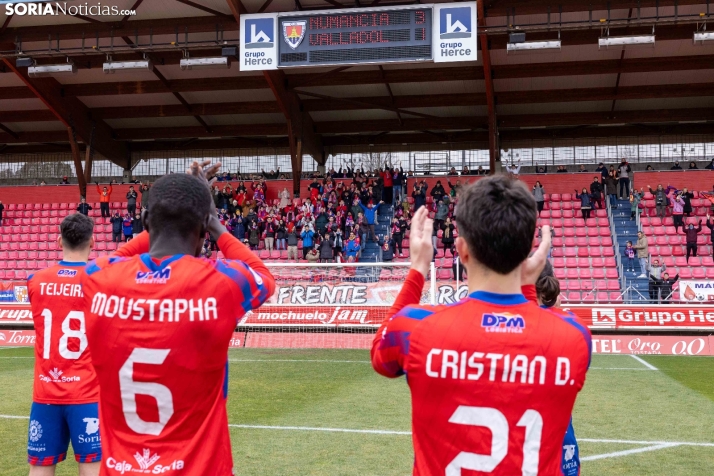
x=702 y=36
x=24 y=62
x=111 y=67
x=49 y=69
x=533 y=45
x=205 y=63
x=608 y=41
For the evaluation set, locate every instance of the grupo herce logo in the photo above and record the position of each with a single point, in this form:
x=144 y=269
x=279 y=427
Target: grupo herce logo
x=260 y=33
x=35 y=431
x=604 y=317
x=455 y=23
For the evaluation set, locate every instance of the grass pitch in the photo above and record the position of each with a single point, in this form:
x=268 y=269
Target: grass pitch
x=630 y=420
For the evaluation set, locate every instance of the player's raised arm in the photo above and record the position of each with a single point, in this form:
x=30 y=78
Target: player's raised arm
x=391 y=343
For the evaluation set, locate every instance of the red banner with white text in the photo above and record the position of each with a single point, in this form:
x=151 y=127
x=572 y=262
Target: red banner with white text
x=26 y=338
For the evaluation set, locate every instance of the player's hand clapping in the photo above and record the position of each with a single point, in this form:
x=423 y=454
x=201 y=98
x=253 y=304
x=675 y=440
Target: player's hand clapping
x=420 y=246
x=532 y=267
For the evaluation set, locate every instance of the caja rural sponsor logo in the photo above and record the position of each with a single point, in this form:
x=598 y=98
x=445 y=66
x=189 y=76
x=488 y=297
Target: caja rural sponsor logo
x=146 y=463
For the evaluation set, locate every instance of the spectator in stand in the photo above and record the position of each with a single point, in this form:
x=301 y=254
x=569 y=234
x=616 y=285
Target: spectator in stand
x=447 y=236
x=438 y=191
x=514 y=169
x=397 y=237
x=370 y=215
x=677 y=210
x=352 y=248
x=307 y=235
x=562 y=169
x=643 y=252
x=284 y=197
x=676 y=166
x=586 y=203
x=269 y=232
x=65 y=181
x=457 y=268
x=539 y=195
x=481 y=171
x=611 y=188
x=2 y=207
x=136 y=225
x=274 y=174
x=388 y=189
x=293 y=244
x=399 y=180
x=655 y=271
x=596 y=192
x=386 y=255
x=602 y=170
x=116 y=222
x=144 y=190
x=629 y=253
x=623 y=172
x=254 y=236
x=660 y=197
x=105 y=196
x=691 y=234
x=83 y=207
x=465 y=170
x=649 y=168
x=312 y=256
x=238 y=228
x=454 y=189
x=281 y=235
x=582 y=169
x=442 y=213
x=710 y=165
x=635 y=205
x=453 y=171
x=687 y=199
x=665 y=285
x=127 y=227
x=692 y=165
x=338 y=244
x=541 y=169
x=325 y=246
x=131 y=201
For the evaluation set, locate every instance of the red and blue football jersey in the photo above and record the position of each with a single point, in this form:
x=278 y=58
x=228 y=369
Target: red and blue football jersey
x=493 y=380
x=159 y=331
x=63 y=367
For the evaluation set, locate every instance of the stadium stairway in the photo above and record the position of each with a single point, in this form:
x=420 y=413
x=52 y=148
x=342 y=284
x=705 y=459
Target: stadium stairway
x=385 y=215
x=626 y=230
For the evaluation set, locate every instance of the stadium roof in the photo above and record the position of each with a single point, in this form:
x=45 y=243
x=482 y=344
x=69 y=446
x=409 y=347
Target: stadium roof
x=576 y=91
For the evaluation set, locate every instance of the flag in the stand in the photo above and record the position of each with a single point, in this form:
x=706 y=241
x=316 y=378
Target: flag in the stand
x=708 y=195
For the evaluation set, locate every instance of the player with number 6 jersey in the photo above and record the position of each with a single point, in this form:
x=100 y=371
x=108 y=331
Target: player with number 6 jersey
x=493 y=377
x=66 y=389
x=159 y=326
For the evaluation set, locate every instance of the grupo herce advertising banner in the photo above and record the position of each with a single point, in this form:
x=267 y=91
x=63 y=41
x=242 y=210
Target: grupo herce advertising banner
x=650 y=317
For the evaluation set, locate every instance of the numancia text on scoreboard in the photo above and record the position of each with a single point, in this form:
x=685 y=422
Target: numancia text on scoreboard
x=437 y=33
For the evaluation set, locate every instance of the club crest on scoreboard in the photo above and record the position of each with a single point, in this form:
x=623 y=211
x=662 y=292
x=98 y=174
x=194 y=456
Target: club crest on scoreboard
x=294 y=32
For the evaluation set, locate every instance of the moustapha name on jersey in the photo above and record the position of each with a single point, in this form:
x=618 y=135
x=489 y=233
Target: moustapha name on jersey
x=146 y=463
x=161 y=310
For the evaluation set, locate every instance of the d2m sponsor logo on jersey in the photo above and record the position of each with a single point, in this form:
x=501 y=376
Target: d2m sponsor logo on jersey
x=260 y=33
x=160 y=276
x=67 y=273
x=294 y=32
x=604 y=317
x=505 y=322
x=455 y=23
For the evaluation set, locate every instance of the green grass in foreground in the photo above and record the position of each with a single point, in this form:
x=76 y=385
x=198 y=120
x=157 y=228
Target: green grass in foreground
x=674 y=404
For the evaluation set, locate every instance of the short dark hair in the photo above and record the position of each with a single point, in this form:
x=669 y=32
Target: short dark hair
x=497 y=219
x=178 y=204
x=76 y=230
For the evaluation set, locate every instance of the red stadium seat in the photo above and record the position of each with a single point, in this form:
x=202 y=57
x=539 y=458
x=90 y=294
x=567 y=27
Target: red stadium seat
x=665 y=251
x=615 y=297
x=699 y=273
x=573 y=296
x=559 y=273
x=611 y=273
x=568 y=214
x=584 y=252
x=707 y=261
x=677 y=251
x=602 y=297
x=571 y=262
x=585 y=273
x=572 y=274
x=685 y=273
x=558 y=263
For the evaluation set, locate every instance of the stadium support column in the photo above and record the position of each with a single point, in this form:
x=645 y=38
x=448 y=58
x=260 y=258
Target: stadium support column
x=77 y=162
x=493 y=148
x=301 y=128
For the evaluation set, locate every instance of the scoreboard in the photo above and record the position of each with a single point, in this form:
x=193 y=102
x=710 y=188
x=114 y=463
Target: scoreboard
x=354 y=38
x=438 y=33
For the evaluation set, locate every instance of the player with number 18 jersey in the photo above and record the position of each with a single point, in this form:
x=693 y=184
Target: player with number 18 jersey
x=66 y=390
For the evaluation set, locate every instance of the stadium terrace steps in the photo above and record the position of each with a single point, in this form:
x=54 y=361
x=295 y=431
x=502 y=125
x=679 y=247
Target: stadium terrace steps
x=370 y=251
x=626 y=230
